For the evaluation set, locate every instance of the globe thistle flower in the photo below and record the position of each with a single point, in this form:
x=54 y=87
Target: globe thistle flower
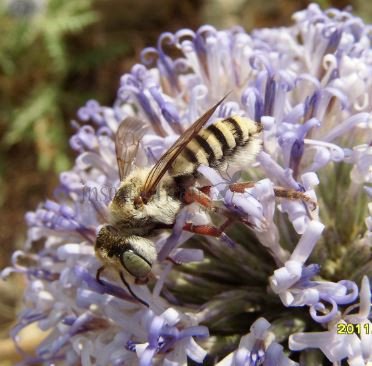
x=290 y=273
x=25 y=8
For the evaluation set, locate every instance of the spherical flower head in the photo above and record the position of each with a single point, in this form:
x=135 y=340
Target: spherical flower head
x=25 y=8
x=300 y=239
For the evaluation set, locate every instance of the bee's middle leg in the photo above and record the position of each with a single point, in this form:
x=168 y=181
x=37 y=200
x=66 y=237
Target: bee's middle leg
x=210 y=230
x=195 y=195
x=200 y=196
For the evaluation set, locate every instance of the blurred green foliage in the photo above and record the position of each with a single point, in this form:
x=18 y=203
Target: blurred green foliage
x=54 y=56
x=34 y=63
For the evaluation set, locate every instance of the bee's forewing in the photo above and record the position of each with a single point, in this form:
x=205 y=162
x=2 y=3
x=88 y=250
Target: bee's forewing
x=127 y=140
x=165 y=162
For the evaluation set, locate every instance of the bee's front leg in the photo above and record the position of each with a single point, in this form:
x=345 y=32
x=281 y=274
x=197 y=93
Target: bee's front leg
x=145 y=280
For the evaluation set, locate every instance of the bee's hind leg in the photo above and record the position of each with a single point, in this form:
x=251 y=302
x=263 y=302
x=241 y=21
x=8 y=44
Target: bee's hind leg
x=281 y=192
x=292 y=194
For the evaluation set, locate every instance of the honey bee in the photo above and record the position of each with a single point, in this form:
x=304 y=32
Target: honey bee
x=149 y=199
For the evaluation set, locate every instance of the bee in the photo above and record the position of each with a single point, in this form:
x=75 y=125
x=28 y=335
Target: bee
x=149 y=199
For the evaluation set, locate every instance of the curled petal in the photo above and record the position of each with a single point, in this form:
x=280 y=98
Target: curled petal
x=320 y=307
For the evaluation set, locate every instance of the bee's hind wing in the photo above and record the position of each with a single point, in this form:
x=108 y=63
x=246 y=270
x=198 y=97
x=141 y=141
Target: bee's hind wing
x=128 y=137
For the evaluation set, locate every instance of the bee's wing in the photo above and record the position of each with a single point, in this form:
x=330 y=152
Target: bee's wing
x=165 y=162
x=127 y=140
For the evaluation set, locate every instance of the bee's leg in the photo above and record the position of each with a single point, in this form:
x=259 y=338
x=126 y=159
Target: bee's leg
x=200 y=195
x=98 y=274
x=196 y=195
x=130 y=290
x=240 y=187
x=282 y=192
x=292 y=194
x=141 y=281
x=210 y=230
x=144 y=280
x=205 y=189
x=173 y=261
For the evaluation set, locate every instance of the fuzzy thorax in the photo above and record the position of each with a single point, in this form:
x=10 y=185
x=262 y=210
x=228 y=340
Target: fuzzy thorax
x=161 y=208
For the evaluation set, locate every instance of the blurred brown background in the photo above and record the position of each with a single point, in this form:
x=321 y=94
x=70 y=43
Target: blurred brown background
x=55 y=55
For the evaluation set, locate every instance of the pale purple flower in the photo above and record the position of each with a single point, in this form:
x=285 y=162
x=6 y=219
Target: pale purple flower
x=337 y=344
x=309 y=85
x=25 y=8
x=258 y=348
x=165 y=337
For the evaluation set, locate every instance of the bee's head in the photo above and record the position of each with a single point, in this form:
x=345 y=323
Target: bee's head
x=133 y=253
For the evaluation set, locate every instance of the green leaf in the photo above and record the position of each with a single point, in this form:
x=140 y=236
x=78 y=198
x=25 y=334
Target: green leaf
x=40 y=102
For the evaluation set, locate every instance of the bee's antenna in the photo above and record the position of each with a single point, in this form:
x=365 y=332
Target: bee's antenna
x=130 y=290
x=98 y=274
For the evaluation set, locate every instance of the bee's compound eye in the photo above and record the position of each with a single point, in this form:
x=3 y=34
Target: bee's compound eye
x=135 y=264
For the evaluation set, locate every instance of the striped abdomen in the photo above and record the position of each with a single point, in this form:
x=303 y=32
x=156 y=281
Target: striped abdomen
x=234 y=139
